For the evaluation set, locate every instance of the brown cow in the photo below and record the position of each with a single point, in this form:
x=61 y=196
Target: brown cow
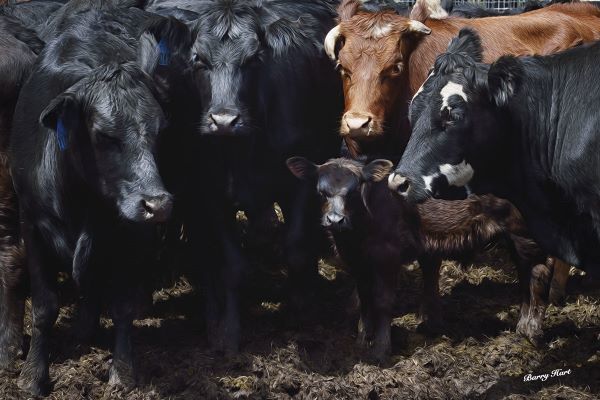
x=385 y=57
x=376 y=231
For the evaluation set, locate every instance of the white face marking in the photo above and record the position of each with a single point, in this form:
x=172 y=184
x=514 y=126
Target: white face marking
x=459 y=174
x=336 y=210
x=451 y=89
x=423 y=85
x=380 y=31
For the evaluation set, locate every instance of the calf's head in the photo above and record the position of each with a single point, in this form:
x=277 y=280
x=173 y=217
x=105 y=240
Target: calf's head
x=458 y=120
x=106 y=126
x=371 y=51
x=340 y=183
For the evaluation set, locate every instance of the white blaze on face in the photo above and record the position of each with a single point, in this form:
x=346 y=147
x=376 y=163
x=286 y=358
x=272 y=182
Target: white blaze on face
x=459 y=174
x=381 y=30
x=451 y=89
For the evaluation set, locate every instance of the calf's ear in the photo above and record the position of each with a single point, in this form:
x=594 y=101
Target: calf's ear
x=504 y=79
x=302 y=168
x=467 y=42
x=377 y=170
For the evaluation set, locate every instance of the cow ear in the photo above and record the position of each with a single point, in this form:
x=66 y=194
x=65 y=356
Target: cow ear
x=163 y=41
x=377 y=170
x=302 y=168
x=424 y=9
x=61 y=117
x=504 y=79
x=347 y=9
x=467 y=42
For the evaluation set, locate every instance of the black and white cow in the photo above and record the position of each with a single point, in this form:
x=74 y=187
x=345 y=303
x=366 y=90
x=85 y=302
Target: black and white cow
x=524 y=129
x=82 y=157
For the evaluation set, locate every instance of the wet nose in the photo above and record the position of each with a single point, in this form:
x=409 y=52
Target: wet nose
x=358 y=124
x=224 y=121
x=398 y=183
x=335 y=219
x=158 y=208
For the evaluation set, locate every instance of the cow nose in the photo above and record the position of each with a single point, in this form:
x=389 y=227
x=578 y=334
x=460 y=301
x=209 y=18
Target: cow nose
x=358 y=124
x=158 y=208
x=398 y=183
x=224 y=121
x=335 y=219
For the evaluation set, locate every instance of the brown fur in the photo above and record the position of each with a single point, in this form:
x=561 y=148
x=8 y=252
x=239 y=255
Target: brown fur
x=374 y=88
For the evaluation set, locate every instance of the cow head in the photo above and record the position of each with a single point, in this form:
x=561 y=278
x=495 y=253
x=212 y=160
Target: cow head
x=106 y=126
x=226 y=55
x=371 y=51
x=457 y=124
x=339 y=183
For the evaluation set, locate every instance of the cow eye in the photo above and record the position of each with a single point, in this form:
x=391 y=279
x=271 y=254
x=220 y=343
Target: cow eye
x=397 y=69
x=198 y=61
x=106 y=139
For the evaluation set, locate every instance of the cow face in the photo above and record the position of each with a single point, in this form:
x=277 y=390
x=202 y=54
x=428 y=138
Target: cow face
x=339 y=183
x=226 y=56
x=455 y=120
x=106 y=126
x=371 y=52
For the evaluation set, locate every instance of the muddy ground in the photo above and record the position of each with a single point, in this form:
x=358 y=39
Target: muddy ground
x=313 y=356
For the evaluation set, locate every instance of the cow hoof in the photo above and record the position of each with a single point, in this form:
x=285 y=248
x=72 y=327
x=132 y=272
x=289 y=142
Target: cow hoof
x=532 y=329
x=33 y=382
x=10 y=351
x=121 y=374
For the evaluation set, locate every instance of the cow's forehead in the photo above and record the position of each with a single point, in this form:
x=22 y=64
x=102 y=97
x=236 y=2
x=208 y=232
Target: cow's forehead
x=379 y=52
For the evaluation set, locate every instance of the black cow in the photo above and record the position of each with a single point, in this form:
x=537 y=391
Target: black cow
x=19 y=47
x=82 y=157
x=266 y=92
x=521 y=128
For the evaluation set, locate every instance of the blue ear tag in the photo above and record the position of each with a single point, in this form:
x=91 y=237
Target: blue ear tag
x=165 y=55
x=61 y=135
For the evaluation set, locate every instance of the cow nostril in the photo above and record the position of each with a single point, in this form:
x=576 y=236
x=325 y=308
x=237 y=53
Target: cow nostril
x=224 y=120
x=158 y=208
x=399 y=183
x=358 y=123
x=341 y=221
x=403 y=188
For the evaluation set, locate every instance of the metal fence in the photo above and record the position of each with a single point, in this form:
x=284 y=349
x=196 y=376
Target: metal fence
x=491 y=4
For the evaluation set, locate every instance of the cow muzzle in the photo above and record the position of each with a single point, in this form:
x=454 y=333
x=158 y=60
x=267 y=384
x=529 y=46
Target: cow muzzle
x=157 y=208
x=358 y=126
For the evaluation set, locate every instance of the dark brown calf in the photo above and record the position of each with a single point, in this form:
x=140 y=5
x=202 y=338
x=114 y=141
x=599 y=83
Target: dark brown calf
x=384 y=58
x=376 y=231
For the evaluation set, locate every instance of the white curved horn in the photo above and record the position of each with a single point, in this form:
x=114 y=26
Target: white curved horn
x=331 y=40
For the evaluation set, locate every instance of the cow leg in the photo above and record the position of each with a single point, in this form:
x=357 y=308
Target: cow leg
x=230 y=278
x=122 y=313
x=43 y=276
x=530 y=323
x=430 y=311
x=12 y=305
x=364 y=286
x=383 y=300
x=560 y=276
x=301 y=213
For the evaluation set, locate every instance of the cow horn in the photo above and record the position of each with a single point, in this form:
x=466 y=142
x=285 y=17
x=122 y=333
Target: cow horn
x=419 y=27
x=331 y=40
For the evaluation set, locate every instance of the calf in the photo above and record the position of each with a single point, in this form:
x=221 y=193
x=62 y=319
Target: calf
x=82 y=157
x=375 y=232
